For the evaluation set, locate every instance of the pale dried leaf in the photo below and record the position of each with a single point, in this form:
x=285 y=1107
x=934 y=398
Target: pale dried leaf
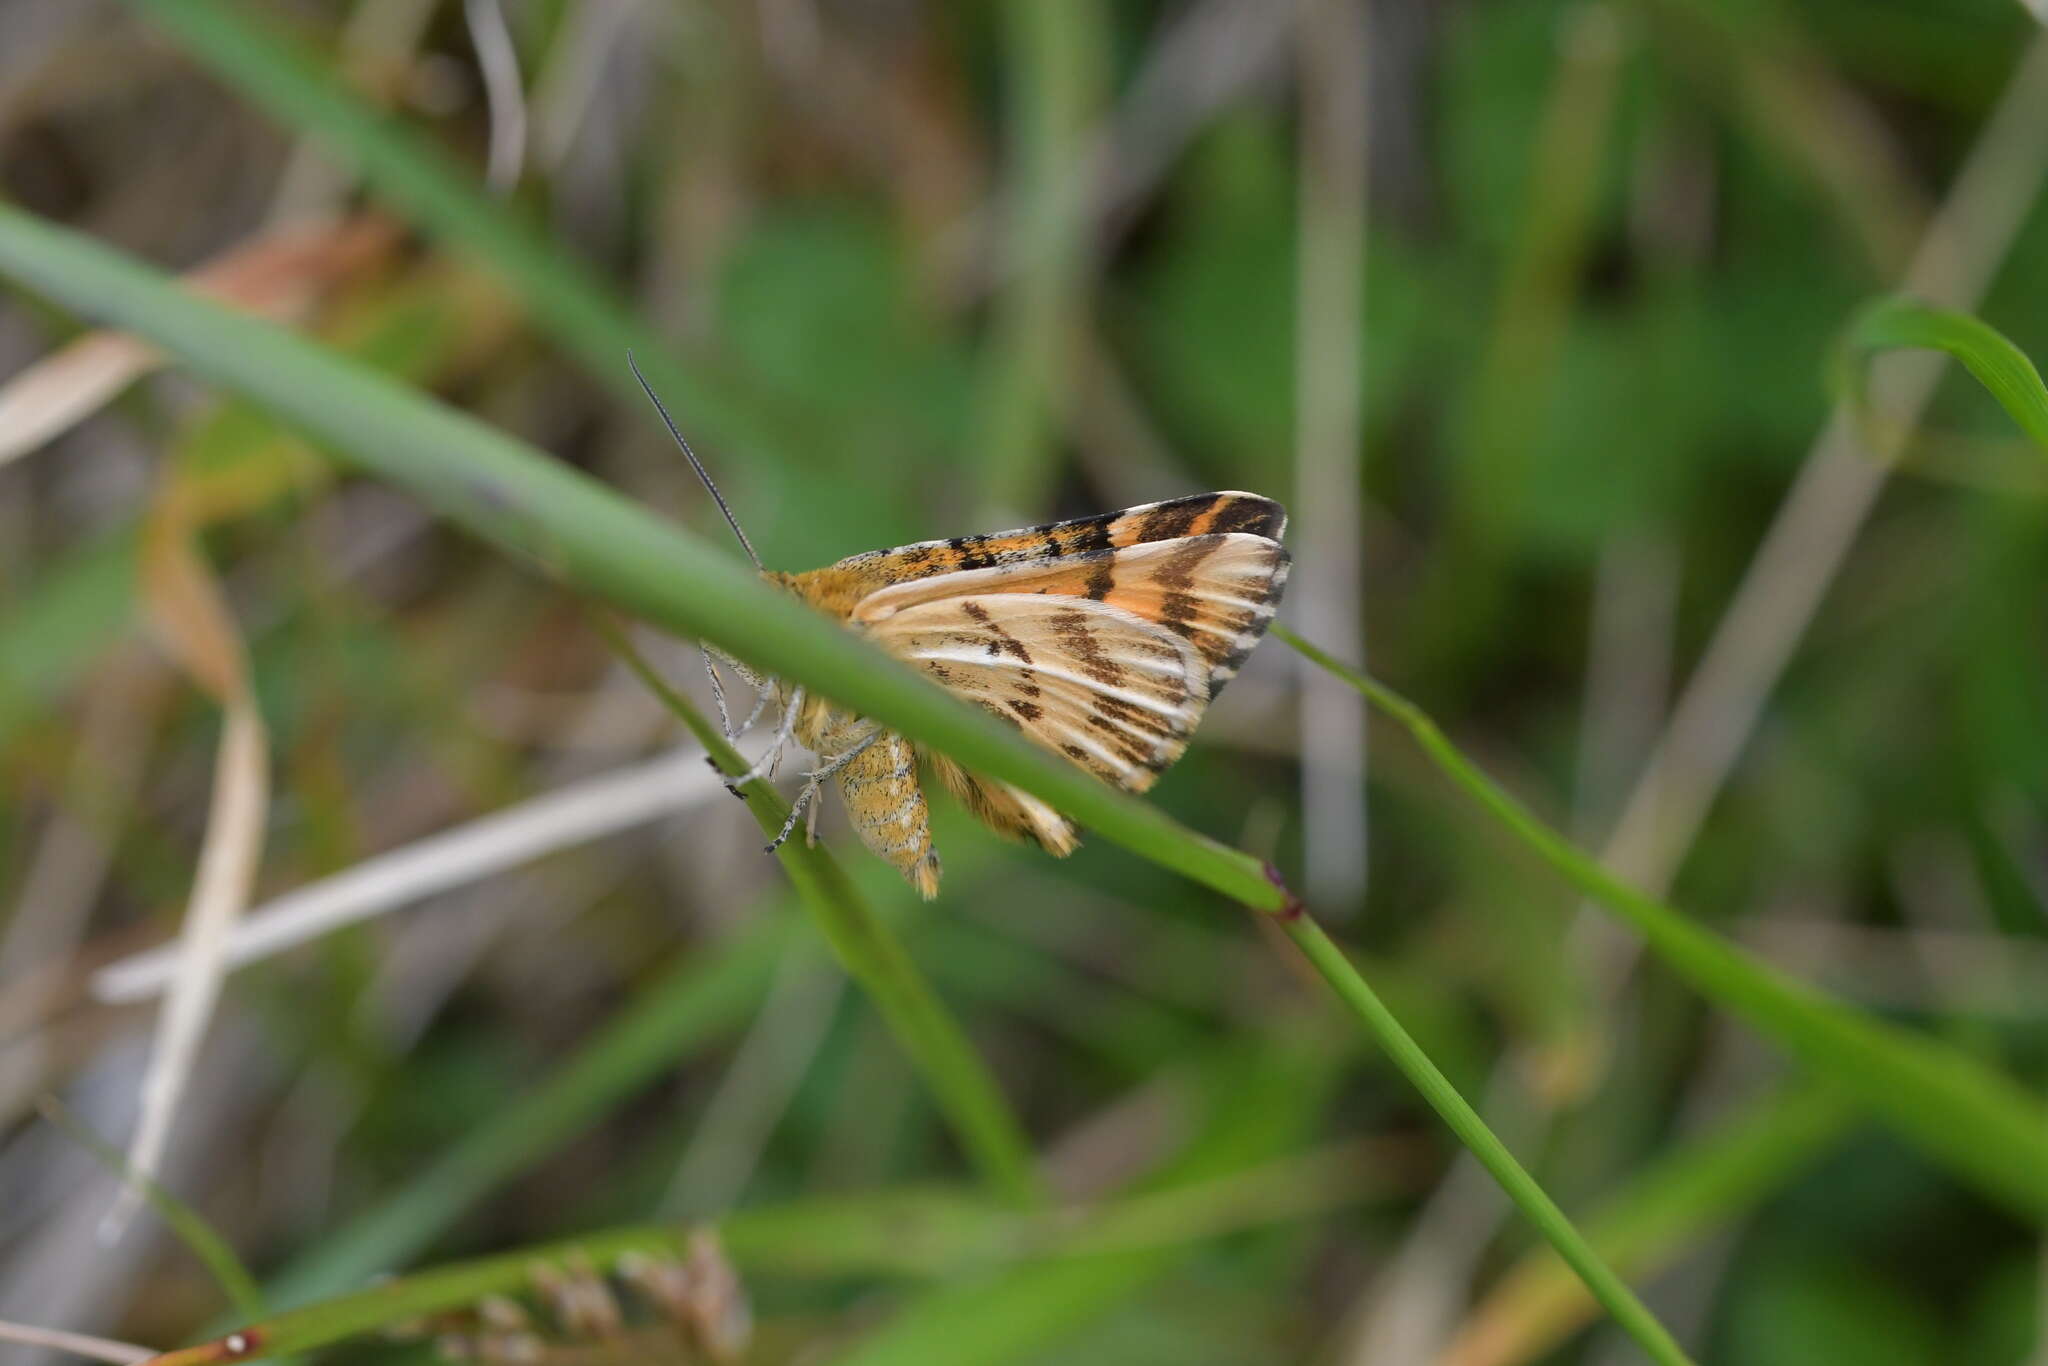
x=277 y=276
x=187 y=608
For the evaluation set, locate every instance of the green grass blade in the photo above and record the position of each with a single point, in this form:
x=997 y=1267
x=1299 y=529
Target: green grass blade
x=1663 y=1211
x=572 y=527
x=918 y=1232
x=873 y=956
x=200 y=1237
x=1633 y=1316
x=1974 y=1122
x=1897 y=322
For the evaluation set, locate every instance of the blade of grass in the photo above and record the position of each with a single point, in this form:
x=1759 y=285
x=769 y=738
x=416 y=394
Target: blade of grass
x=1898 y=322
x=574 y=528
x=922 y=1231
x=873 y=956
x=199 y=1237
x=1633 y=1316
x=1663 y=1211
x=274 y=274
x=918 y=1232
x=1974 y=1122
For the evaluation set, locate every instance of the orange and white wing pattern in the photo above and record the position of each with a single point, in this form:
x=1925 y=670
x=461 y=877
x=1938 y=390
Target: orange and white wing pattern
x=1102 y=639
x=1218 y=592
x=837 y=588
x=1108 y=657
x=1111 y=691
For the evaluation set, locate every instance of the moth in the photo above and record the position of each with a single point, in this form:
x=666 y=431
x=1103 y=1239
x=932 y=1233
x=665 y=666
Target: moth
x=1102 y=639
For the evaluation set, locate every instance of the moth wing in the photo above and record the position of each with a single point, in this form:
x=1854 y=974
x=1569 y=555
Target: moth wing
x=1217 y=592
x=1113 y=692
x=1005 y=809
x=1229 y=511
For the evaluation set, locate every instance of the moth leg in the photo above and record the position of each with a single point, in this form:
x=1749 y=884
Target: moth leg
x=811 y=825
x=717 y=693
x=725 y=726
x=761 y=698
x=763 y=686
x=812 y=782
x=765 y=766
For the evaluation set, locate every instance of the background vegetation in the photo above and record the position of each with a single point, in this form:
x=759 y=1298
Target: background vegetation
x=1529 y=311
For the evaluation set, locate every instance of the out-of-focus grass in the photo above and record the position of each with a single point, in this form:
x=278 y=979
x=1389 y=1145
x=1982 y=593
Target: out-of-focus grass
x=787 y=211
x=702 y=995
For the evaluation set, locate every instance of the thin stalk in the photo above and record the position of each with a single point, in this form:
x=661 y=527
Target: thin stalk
x=200 y=1237
x=1610 y=1290
x=1513 y=381
x=1665 y=1211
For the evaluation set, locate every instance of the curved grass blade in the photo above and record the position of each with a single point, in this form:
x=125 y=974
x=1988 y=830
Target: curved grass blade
x=1974 y=1122
x=200 y=1237
x=1901 y=323
x=1707 y=1183
x=1628 y=1312
x=571 y=527
x=933 y=1233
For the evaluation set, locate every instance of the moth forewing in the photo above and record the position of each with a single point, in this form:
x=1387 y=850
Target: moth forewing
x=1103 y=639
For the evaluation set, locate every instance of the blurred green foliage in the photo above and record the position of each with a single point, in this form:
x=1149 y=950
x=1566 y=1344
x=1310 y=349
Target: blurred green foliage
x=1592 y=368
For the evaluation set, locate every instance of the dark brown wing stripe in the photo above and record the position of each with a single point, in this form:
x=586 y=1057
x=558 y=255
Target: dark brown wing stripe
x=837 y=586
x=1249 y=634
x=1200 y=514
x=1253 y=516
x=1101 y=578
x=1072 y=630
x=1080 y=537
x=1170 y=521
x=1003 y=642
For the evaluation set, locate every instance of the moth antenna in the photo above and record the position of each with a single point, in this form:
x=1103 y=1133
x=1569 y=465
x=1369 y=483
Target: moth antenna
x=695 y=463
